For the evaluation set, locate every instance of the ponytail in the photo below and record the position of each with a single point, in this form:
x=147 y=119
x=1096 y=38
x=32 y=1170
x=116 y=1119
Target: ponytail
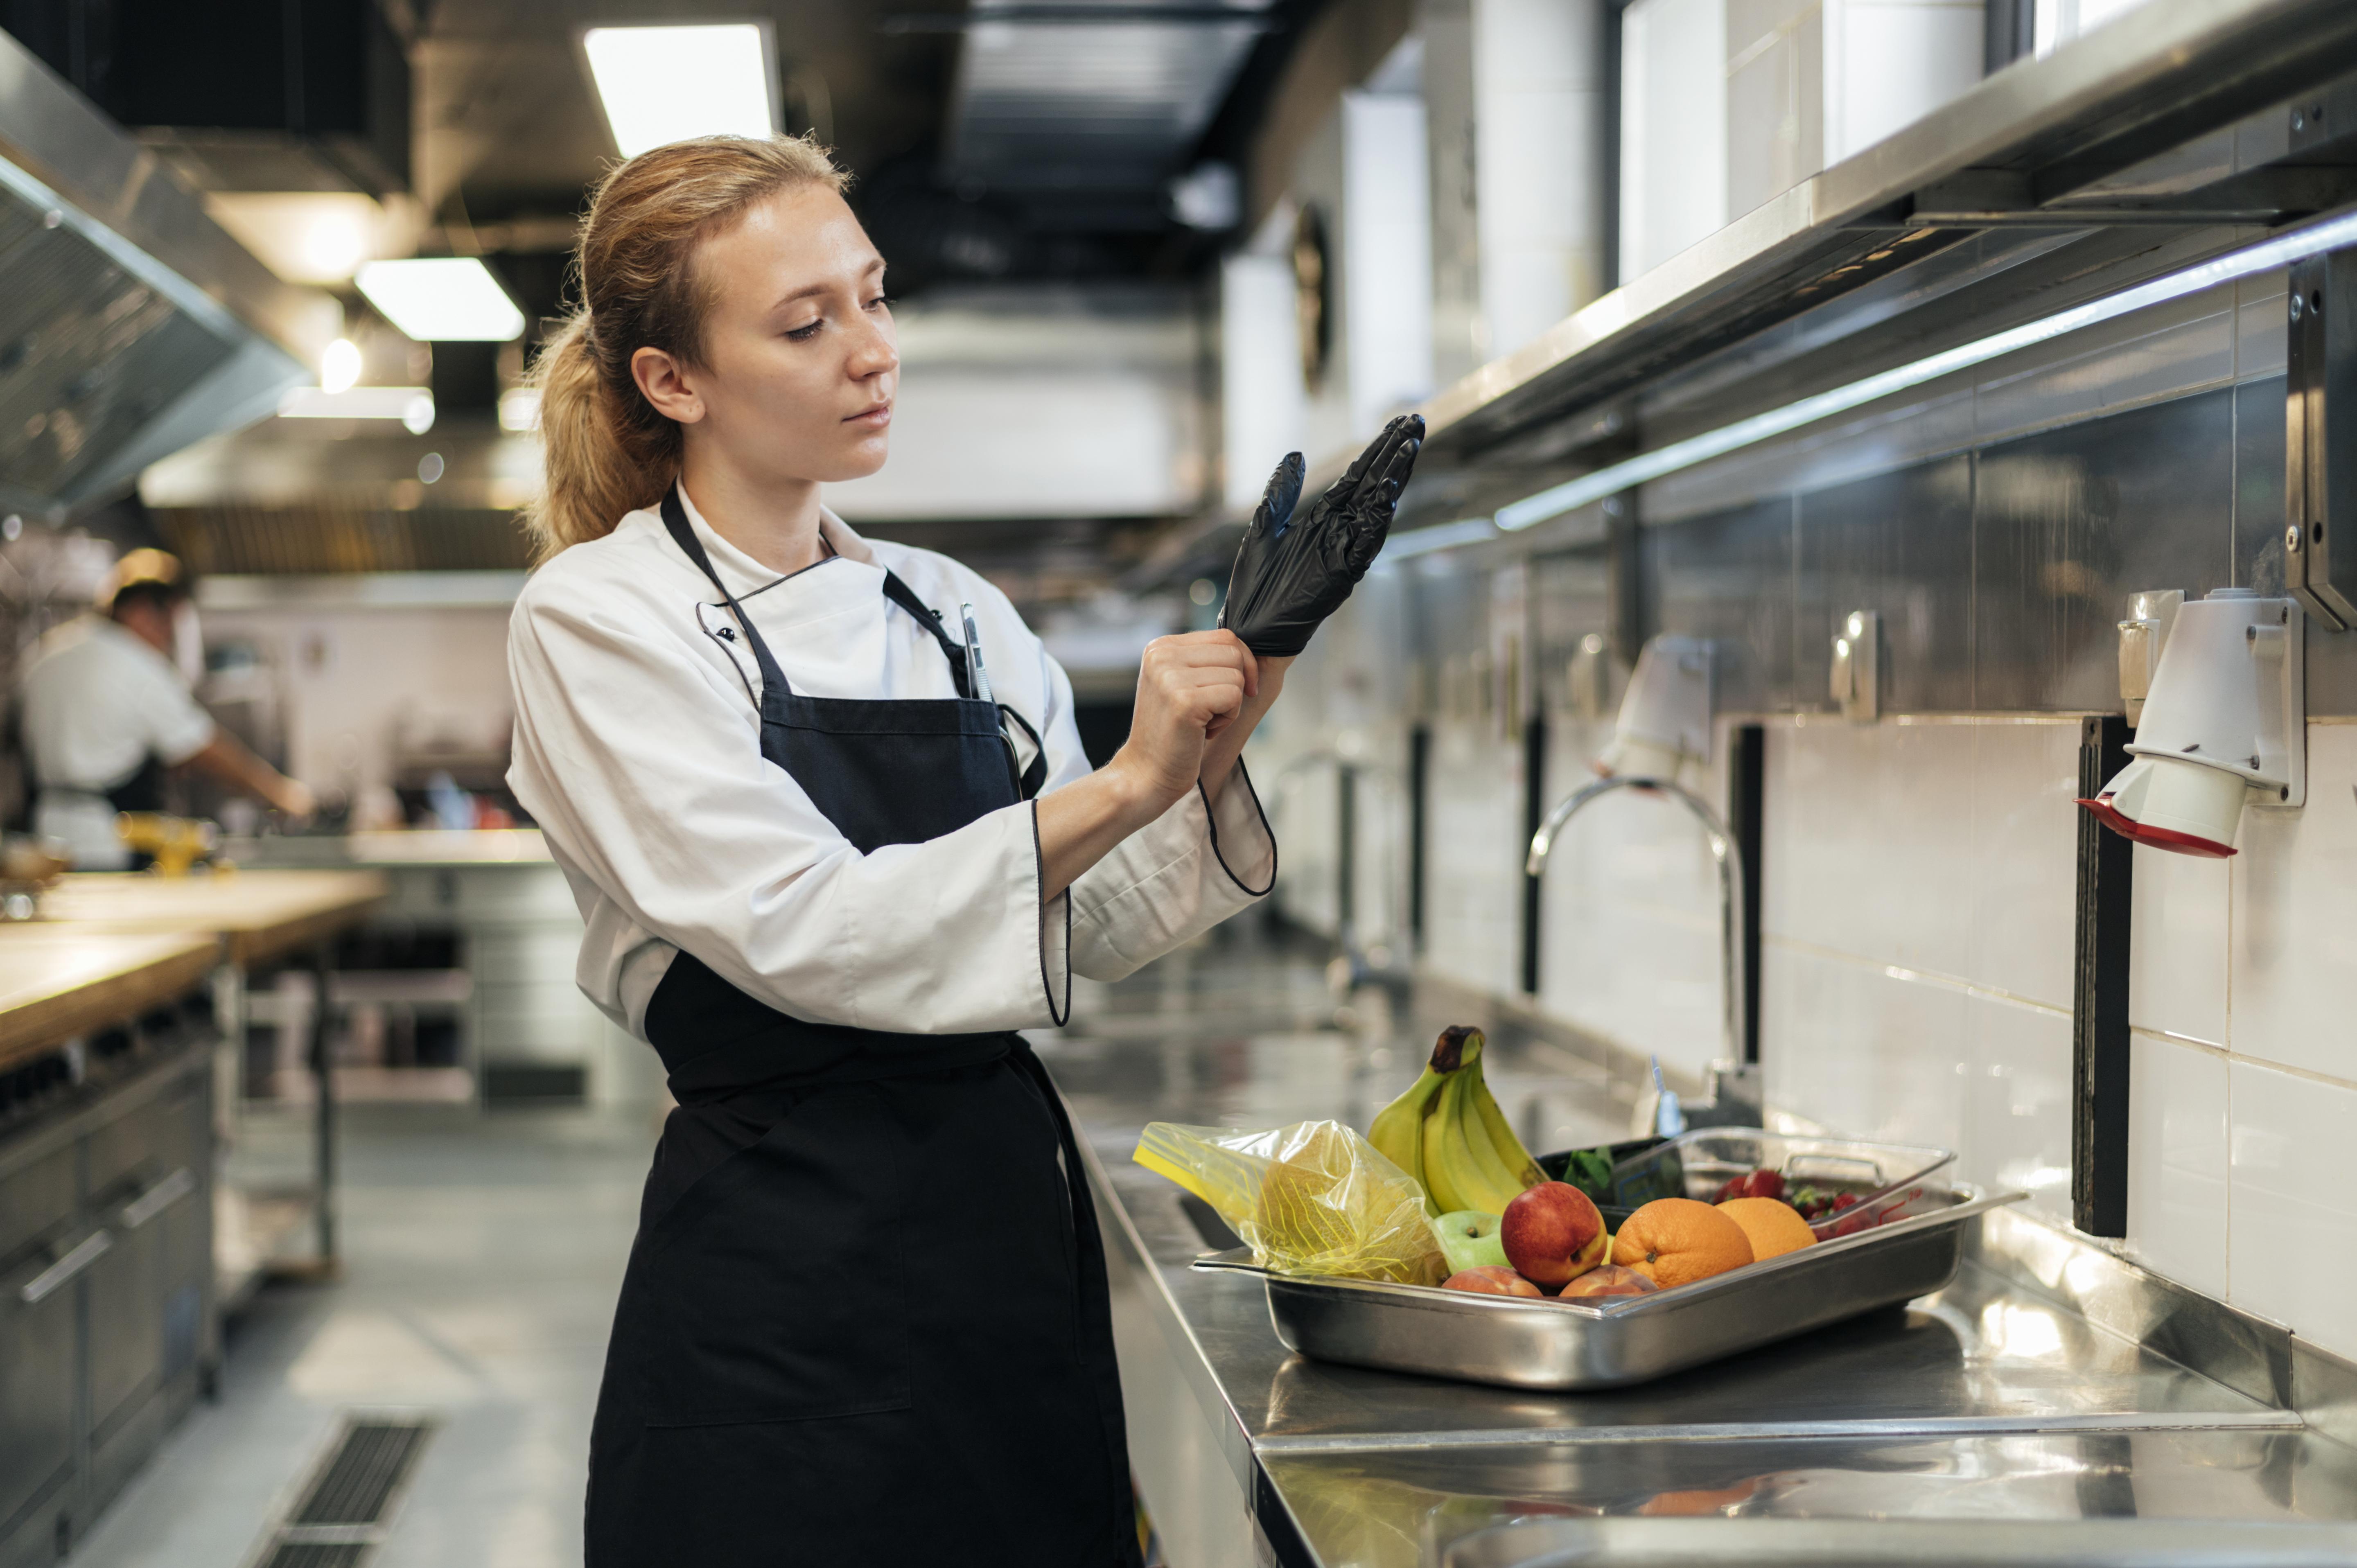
x=607 y=450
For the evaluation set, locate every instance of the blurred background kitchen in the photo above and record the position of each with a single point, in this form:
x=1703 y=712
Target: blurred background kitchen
x=1848 y=363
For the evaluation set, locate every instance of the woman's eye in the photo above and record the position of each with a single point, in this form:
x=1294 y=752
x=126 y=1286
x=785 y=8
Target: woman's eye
x=879 y=302
x=804 y=333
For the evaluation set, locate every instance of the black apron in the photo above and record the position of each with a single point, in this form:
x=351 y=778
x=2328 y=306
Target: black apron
x=865 y=1318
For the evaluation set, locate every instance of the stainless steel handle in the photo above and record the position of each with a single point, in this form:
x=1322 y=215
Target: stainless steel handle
x=160 y=1198
x=59 y=1275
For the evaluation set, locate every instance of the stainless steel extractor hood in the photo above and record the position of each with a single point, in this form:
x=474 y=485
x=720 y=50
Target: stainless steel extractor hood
x=130 y=325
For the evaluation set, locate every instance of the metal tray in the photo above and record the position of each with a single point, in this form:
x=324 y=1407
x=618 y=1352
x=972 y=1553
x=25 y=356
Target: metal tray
x=1519 y=1343
x=1877 y=1176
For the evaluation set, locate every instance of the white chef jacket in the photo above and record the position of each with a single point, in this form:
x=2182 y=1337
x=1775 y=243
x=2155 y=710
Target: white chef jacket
x=637 y=750
x=97 y=700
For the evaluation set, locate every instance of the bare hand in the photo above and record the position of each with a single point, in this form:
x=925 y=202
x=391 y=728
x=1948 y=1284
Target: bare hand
x=293 y=798
x=1189 y=688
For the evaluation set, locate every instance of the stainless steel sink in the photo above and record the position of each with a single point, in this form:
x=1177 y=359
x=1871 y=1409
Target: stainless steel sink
x=1905 y=1543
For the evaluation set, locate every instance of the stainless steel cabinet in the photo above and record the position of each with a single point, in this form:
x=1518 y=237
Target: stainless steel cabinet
x=38 y=1369
x=106 y=1308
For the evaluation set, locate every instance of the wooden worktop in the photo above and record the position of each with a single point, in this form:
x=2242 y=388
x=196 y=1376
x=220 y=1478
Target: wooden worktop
x=57 y=983
x=259 y=914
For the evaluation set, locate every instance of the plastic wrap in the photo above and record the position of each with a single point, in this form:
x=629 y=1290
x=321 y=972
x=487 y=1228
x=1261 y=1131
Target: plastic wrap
x=1311 y=1198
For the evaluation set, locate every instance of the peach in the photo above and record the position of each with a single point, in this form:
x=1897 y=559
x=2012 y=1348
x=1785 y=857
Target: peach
x=1492 y=1280
x=1610 y=1279
x=1547 y=1231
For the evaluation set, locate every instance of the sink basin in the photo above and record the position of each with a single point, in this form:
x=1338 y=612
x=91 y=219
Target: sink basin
x=1906 y=1543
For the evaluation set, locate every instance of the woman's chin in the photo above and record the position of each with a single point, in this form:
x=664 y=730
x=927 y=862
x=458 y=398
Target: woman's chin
x=862 y=459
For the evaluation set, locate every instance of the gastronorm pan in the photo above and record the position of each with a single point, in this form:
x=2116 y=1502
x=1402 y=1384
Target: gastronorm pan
x=1518 y=1342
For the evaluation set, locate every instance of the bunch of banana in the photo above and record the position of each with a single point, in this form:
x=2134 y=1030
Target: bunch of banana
x=1447 y=1132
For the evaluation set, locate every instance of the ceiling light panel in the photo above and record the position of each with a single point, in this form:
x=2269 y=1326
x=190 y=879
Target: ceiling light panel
x=661 y=85
x=442 y=299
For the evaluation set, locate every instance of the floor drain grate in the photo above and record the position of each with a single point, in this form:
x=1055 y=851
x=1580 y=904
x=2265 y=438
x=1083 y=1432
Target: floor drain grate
x=298 y=1554
x=361 y=1476
x=340 y=1518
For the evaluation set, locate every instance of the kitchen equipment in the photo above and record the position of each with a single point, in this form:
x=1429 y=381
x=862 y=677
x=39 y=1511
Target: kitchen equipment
x=1520 y=1343
x=174 y=844
x=30 y=862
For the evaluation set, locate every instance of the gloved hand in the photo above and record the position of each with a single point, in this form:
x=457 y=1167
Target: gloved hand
x=1291 y=573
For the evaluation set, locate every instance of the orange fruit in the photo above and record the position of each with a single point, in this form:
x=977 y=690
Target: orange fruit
x=1774 y=1226
x=1674 y=1241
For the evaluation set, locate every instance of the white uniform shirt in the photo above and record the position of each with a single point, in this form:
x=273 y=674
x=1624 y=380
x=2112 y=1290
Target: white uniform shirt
x=97 y=701
x=637 y=750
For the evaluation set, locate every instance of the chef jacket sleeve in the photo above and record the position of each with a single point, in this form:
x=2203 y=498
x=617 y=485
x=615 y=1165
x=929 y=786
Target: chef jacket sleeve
x=1173 y=879
x=172 y=723
x=643 y=764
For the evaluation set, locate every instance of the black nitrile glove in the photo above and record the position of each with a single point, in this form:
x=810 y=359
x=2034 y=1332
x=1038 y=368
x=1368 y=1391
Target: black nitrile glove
x=1292 y=572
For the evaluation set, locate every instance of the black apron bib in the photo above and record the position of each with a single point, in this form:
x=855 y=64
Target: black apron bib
x=865 y=1318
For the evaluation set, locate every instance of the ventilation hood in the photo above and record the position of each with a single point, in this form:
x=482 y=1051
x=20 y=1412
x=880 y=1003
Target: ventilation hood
x=129 y=324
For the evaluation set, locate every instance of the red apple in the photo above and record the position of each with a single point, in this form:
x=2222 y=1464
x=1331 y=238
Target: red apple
x=1545 y=1230
x=1610 y=1279
x=1492 y=1280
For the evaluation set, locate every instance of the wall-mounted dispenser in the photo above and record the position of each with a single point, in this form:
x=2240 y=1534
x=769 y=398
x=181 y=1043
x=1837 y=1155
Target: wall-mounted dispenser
x=2225 y=725
x=1857 y=684
x=1665 y=713
x=2151 y=613
x=1589 y=679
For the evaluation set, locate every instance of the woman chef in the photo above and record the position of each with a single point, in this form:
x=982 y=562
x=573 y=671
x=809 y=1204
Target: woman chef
x=825 y=811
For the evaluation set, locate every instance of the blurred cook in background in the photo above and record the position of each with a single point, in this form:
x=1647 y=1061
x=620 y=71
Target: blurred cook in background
x=107 y=709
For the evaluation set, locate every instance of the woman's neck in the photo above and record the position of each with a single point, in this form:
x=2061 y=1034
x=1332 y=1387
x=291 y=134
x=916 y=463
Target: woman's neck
x=775 y=521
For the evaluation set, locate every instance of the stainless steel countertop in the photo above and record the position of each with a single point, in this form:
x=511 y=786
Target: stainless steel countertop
x=1987 y=1400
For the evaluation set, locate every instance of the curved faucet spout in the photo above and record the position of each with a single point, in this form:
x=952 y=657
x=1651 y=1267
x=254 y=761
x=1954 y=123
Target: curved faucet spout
x=1730 y=882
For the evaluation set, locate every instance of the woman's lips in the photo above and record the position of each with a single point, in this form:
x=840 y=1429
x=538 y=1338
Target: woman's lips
x=876 y=418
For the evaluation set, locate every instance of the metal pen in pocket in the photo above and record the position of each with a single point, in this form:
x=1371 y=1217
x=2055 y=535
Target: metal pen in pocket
x=977 y=683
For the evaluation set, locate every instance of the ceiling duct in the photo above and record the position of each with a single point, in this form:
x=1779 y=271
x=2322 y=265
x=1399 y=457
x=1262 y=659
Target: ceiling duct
x=1084 y=113
x=271 y=95
x=132 y=325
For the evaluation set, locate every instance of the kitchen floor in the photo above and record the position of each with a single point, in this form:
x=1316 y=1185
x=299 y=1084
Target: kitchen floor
x=483 y=1254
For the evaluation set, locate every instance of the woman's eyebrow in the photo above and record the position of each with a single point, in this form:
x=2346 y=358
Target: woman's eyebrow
x=806 y=291
x=810 y=290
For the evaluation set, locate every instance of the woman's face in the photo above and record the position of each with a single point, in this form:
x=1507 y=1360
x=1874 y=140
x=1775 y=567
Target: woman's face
x=799 y=358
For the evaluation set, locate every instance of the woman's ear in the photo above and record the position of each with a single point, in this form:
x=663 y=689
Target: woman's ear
x=664 y=382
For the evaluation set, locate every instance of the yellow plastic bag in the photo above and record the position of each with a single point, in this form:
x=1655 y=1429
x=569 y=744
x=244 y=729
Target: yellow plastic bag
x=1311 y=1198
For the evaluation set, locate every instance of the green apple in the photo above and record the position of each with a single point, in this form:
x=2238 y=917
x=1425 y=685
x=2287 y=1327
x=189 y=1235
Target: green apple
x=1469 y=1240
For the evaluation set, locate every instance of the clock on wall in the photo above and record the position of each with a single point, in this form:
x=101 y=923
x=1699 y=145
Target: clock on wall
x=1312 y=294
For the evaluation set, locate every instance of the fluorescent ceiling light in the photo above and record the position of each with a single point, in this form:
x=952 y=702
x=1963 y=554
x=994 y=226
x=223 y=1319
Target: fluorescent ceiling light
x=520 y=409
x=413 y=406
x=339 y=366
x=2264 y=256
x=319 y=237
x=442 y=299
x=1440 y=536
x=661 y=85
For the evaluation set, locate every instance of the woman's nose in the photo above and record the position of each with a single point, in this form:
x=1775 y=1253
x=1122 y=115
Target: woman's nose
x=875 y=354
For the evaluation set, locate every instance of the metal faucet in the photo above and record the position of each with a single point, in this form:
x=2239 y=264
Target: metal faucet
x=1730 y=905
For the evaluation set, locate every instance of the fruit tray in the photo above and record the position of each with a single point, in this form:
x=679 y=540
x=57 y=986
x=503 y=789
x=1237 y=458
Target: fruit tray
x=1516 y=1342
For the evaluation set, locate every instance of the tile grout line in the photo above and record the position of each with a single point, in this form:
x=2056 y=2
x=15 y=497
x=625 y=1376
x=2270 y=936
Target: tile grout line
x=1921 y=976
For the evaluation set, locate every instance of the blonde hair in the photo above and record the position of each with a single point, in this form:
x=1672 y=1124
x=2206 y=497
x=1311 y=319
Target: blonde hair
x=609 y=452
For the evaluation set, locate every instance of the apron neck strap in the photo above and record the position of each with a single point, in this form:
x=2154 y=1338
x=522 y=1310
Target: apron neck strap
x=675 y=517
x=900 y=594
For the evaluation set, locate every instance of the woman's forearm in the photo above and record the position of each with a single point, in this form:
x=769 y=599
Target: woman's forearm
x=1198 y=700
x=1079 y=823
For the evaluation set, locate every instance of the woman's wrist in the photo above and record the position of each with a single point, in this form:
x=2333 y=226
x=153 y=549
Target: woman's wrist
x=1137 y=791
